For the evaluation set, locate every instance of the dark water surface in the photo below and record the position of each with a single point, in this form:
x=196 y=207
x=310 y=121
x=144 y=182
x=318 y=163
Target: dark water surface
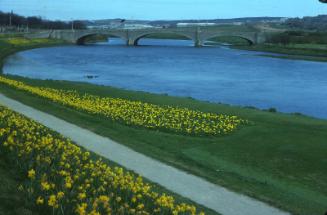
x=216 y=74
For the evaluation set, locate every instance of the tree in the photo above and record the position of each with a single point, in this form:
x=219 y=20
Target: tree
x=37 y=22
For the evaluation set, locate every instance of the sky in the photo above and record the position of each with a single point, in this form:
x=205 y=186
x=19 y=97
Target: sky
x=162 y=9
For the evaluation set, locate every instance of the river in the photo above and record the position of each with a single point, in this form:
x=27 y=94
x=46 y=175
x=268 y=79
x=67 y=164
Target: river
x=174 y=67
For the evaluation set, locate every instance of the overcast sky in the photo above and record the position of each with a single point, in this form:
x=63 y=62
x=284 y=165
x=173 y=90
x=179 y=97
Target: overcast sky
x=162 y=9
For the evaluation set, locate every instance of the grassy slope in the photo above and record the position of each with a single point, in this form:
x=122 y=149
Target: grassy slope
x=11 y=200
x=312 y=52
x=8 y=49
x=281 y=159
x=309 y=51
x=166 y=36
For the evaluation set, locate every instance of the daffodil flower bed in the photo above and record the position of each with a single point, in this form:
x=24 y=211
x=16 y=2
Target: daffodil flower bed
x=136 y=113
x=61 y=178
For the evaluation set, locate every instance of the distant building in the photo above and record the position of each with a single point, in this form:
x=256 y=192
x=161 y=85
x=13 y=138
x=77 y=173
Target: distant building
x=237 y=23
x=283 y=19
x=118 y=24
x=184 y=24
x=136 y=26
x=280 y=20
x=107 y=24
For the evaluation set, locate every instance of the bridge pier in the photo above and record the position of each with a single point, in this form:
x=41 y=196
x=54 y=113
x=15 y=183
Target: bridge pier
x=130 y=42
x=198 y=43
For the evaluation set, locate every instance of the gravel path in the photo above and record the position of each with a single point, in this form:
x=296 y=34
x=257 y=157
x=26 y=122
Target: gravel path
x=195 y=188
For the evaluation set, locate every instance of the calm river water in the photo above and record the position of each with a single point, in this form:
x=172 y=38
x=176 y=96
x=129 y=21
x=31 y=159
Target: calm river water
x=216 y=74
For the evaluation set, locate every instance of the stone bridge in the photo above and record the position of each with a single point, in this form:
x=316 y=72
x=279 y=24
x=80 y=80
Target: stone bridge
x=197 y=35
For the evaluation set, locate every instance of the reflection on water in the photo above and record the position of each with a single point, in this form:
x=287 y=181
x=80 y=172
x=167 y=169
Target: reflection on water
x=175 y=67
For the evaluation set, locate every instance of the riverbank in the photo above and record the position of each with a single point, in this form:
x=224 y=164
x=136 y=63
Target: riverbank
x=237 y=161
x=13 y=201
x=11 y=180
x=268 y=160
x=310 y=52
x=10 y=45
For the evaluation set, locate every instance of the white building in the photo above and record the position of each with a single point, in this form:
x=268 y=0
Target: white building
x=136 y=26
x=184 y=24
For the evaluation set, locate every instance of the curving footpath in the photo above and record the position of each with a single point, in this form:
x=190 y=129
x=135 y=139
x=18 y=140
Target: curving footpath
x=192 y=187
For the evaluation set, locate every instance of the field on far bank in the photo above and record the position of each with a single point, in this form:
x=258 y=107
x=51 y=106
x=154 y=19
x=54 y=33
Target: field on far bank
x=12 y=43
x=293 y=49
x=311 y=52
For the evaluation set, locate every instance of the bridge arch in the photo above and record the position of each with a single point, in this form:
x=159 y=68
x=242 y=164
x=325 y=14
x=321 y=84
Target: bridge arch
x=144 y=35
x=249 y=39
x=80 y=40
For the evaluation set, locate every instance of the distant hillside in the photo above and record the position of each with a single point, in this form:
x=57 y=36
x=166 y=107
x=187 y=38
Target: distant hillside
x=221 y=21
x=316 y=23
x=116 y=22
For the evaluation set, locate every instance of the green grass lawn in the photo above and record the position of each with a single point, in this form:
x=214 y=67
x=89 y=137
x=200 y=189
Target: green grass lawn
x=7 y=49
x=281 y=159
x=12 y=201
x=311 y=52
x=236 y=41
x=166 y=36
x=294 y=51
x=232 y=28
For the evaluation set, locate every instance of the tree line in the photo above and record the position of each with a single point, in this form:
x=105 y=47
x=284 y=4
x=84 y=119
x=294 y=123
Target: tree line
x=303 y=31
x=316 y=23
x=299 y=37
x=36 y=22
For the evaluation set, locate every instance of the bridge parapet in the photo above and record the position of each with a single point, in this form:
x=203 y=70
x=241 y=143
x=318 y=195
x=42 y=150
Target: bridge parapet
x=197 y=35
